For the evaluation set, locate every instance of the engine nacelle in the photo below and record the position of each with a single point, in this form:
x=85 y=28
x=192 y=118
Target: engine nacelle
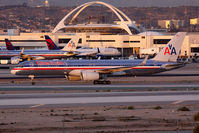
x=74 y=78
x=75 y=73
x=86 y=75
x=15 y=60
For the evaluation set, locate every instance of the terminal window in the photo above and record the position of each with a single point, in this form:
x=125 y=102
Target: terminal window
x=131 y=41
x=161 y=41
x=195 y=50
x=100 y=40
x=64 y=40
x=24 y=40
x=80 y=40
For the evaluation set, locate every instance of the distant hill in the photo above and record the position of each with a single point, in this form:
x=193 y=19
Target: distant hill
x=37 y=18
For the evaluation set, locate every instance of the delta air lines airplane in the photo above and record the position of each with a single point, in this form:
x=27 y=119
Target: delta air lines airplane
x=16 y=56
x=72 y=45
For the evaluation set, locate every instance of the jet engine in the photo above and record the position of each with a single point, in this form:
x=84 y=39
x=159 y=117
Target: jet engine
x=86 y=75
x=74 y=78
x=15 y=60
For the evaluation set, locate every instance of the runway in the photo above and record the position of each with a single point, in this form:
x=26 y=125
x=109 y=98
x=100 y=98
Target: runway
x=97 y=98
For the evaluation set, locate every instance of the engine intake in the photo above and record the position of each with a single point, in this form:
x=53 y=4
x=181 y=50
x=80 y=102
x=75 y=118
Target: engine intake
x=15 y=60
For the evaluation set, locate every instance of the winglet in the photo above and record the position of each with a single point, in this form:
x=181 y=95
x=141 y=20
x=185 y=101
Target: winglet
x=9 y=45
x=22 y=50
x=171 y=51
x=51 y=45
x=144 y=61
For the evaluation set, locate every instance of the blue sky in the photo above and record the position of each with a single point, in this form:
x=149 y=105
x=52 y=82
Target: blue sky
x=118 y=3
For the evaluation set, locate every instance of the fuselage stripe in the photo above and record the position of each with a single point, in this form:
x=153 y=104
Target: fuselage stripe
x=81 y=68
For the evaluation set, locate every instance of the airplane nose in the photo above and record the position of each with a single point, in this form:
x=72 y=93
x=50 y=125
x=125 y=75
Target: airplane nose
x=13 y=72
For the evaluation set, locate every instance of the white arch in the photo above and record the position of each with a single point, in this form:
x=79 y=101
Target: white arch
x=123 y=24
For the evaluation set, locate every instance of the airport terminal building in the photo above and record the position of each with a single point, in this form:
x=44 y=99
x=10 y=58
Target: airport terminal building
x=122 y=34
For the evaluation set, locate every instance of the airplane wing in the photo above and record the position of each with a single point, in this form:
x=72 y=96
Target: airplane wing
x=69 y=54
x=112 y=70
x=24 y=57
x=118 y=69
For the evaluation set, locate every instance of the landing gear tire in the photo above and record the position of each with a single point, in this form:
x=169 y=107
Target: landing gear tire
x=101 y=82
x=33 y=83
x=95 y=82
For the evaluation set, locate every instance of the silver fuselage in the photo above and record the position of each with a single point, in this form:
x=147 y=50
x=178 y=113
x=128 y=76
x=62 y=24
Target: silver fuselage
x=64 y=67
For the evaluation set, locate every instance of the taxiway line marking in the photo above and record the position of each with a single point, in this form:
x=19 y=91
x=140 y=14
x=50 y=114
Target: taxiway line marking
x=177 y=102
x=37 y=105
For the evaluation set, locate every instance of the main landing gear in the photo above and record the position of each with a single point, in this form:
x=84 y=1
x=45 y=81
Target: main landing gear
x=101 y=82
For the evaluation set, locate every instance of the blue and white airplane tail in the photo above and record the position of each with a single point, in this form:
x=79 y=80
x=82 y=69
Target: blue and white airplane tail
x=70 y=46
x=51 y=45
x=9 y=45
x=172 y=50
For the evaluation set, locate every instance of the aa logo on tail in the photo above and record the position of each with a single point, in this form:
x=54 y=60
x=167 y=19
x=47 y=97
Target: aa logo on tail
x=71 y=44
x=170 y=50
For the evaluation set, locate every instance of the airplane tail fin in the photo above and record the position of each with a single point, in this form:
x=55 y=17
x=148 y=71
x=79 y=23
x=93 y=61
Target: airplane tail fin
x=71 y=45
x=98 y=50
x=51 y=45
x=9 y=45
x=172 y=50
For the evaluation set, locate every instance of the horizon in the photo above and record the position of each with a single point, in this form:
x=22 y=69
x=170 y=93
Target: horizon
x=117 y=3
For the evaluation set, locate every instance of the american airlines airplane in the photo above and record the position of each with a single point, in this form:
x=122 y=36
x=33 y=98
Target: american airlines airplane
x=98 y=70
x=72 y=45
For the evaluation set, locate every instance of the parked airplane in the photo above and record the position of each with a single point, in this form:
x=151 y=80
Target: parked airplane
x=9 y=45
x=16 y=56
x=97 y=70
x=52 y=46
x=72 y=45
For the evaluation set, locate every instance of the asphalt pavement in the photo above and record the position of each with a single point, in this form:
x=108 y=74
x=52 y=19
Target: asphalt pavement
x=96 y=98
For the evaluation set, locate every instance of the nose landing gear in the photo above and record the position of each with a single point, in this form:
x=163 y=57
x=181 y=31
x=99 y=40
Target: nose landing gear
x=32 y=78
